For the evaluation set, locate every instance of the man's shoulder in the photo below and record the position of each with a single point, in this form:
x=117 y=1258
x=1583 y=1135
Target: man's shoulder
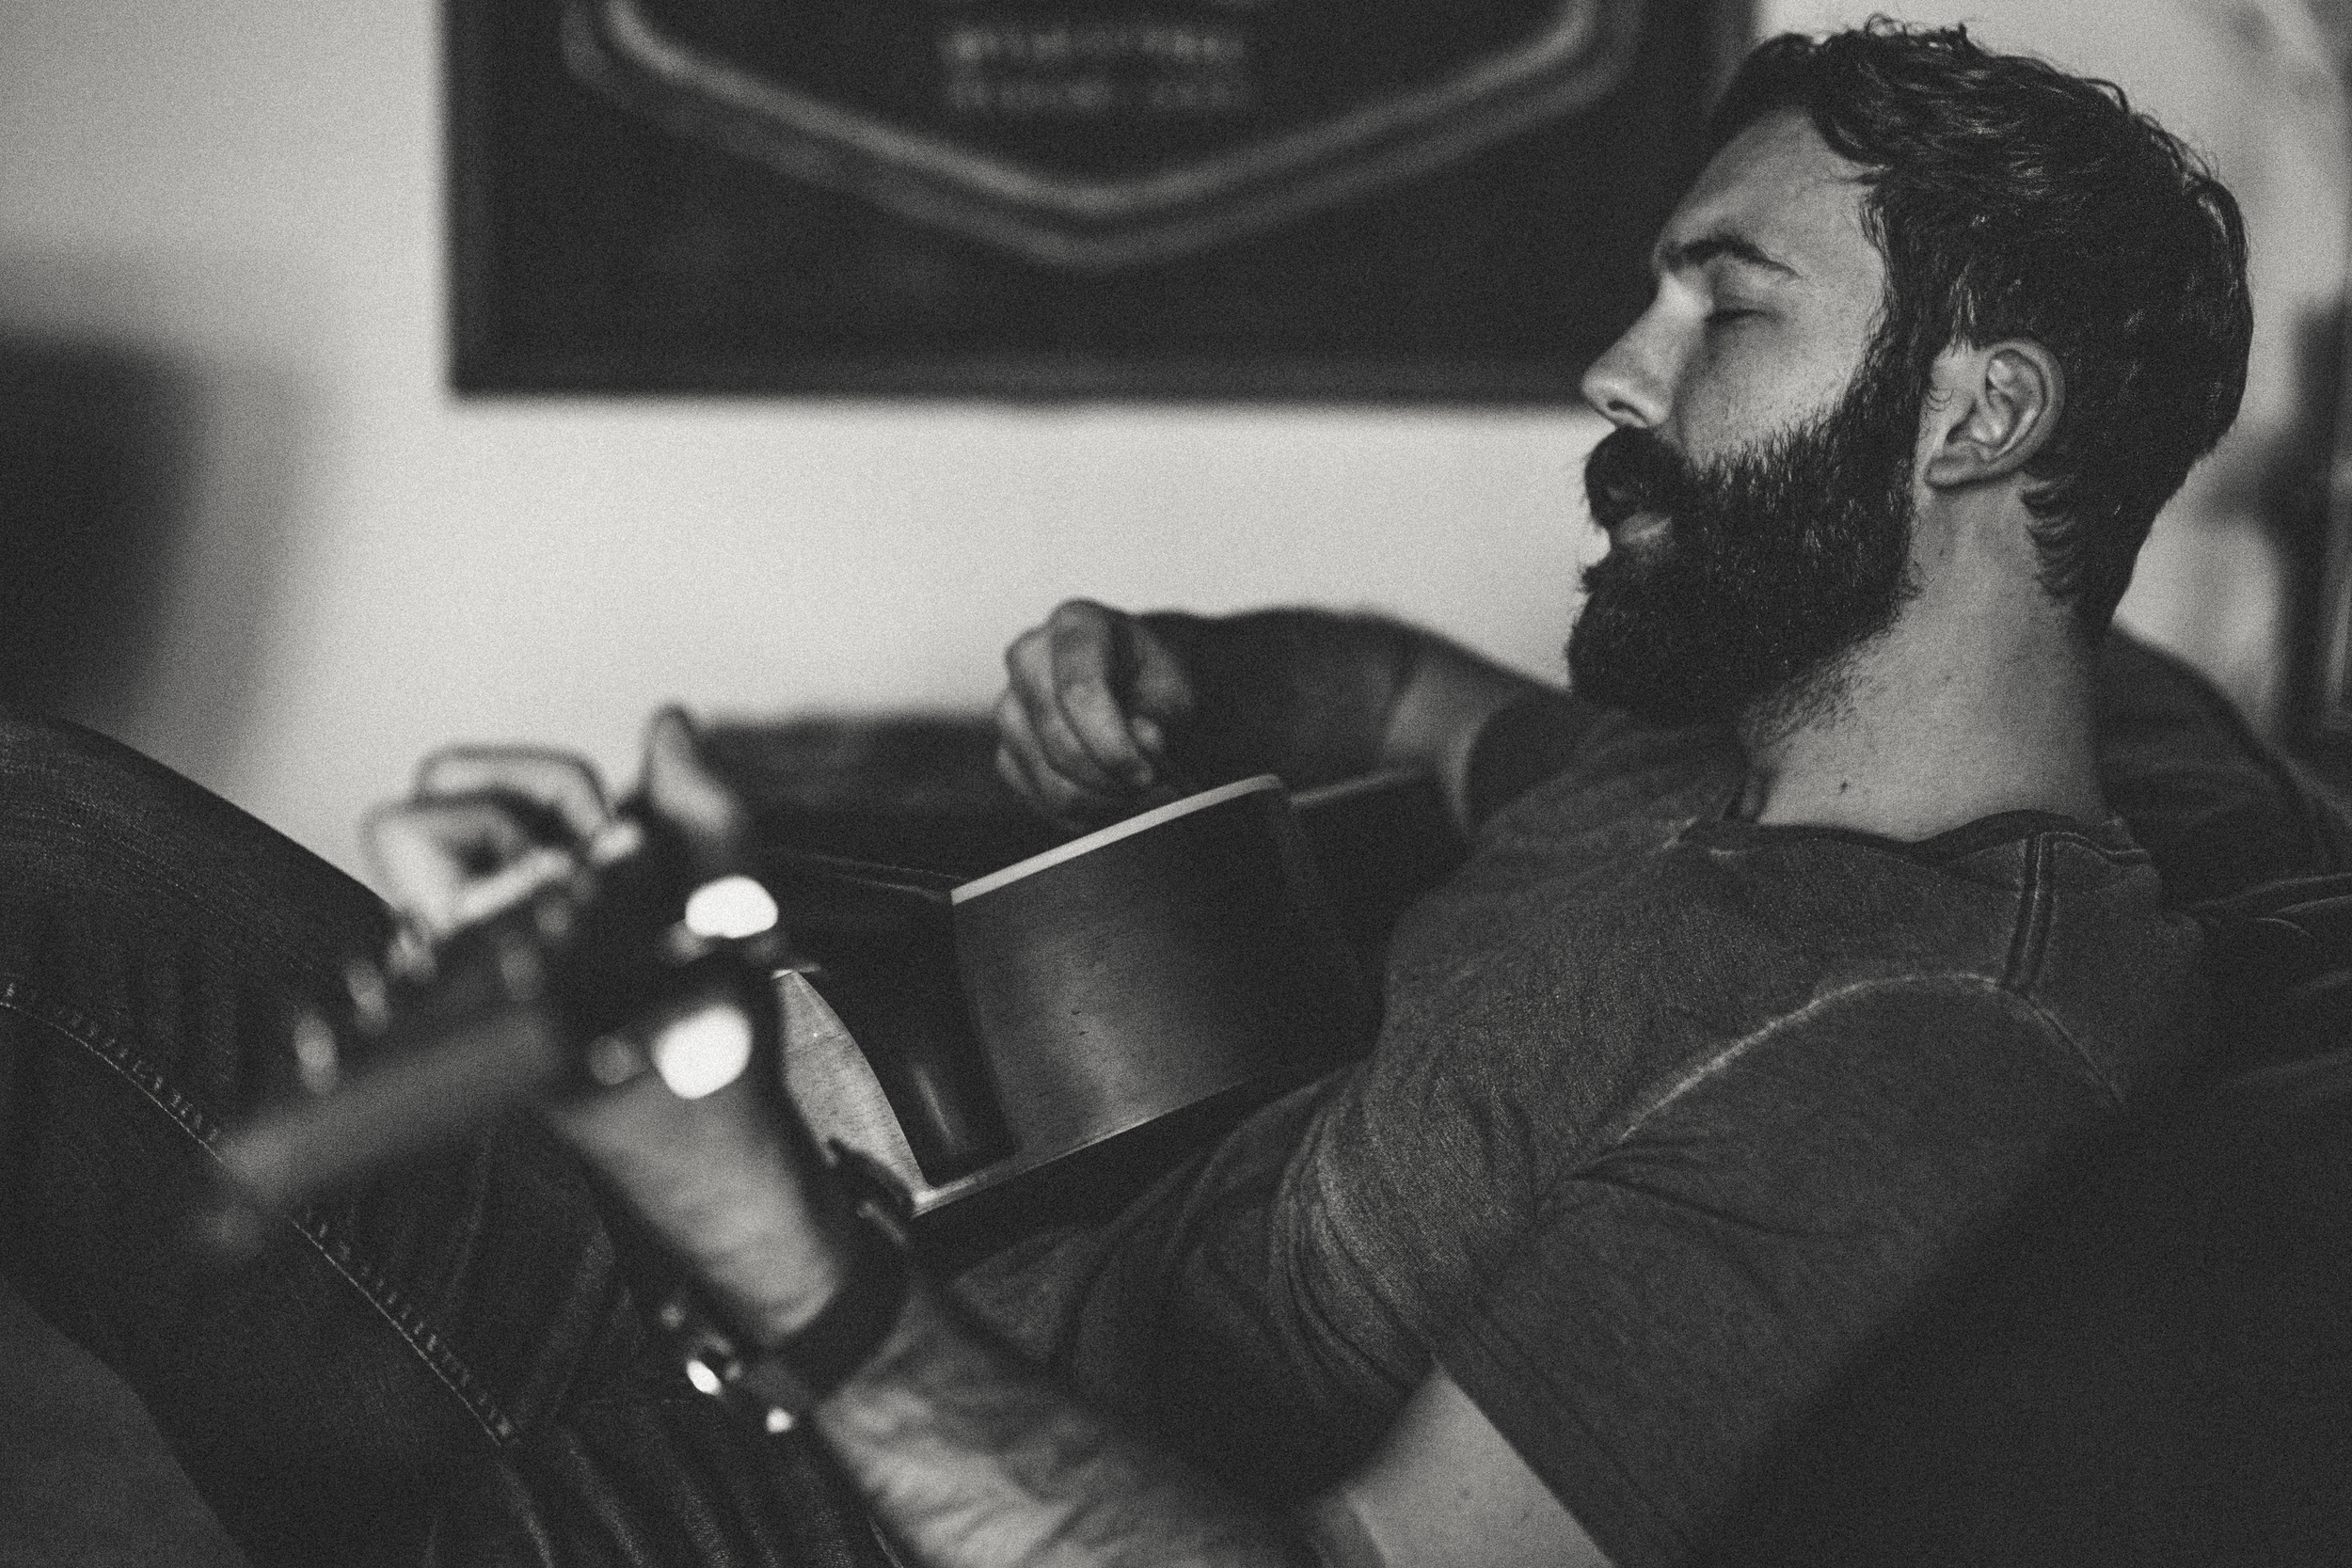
x=1654 y=869
x=2058 y=925
x=1652 y=942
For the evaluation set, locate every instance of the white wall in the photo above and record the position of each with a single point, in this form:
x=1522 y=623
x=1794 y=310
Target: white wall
x=250 y=189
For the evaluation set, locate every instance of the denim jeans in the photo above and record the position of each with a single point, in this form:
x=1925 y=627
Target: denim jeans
x=442 y=1366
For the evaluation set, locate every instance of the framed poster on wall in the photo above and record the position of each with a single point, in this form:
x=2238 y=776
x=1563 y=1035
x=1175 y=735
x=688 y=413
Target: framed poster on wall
x=1436 y=199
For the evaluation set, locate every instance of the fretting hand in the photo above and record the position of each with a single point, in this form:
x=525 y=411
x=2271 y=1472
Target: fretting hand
x=731 y=1178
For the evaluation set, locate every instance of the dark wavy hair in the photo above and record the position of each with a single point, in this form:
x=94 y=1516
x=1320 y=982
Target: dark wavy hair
x=2010 y=199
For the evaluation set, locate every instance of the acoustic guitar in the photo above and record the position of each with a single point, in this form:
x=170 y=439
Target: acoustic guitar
x=1025 y=1045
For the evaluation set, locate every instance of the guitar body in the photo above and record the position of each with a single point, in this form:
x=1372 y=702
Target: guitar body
x=1120 y=997
x=1025 y=1047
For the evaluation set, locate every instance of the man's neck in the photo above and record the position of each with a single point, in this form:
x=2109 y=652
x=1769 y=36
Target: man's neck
x=1961 y=711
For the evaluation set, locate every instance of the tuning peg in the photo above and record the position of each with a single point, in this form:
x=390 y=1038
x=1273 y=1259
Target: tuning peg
x=408 y=956
x=318 y=1058
x=371 y=999
x=730 y=909
x=611 y=1060
x=554 y=914
x=522 y=969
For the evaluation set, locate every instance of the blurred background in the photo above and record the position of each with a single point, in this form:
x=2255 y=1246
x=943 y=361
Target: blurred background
x=252 y=532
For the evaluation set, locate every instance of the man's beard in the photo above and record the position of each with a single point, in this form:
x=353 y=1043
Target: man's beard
x=1774 y=566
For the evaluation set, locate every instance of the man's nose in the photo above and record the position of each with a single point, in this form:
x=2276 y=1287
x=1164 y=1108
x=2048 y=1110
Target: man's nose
x=1624 y=385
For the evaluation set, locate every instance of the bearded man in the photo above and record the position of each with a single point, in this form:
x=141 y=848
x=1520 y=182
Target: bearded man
x=1814 y=943
x=1798 y=935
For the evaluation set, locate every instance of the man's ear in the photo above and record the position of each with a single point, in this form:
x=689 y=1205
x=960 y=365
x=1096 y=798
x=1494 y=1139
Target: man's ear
x=2004 y=401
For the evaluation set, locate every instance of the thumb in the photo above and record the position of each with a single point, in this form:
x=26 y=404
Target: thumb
x=682 y=789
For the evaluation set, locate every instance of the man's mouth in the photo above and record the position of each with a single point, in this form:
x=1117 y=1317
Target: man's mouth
x=1637 y=529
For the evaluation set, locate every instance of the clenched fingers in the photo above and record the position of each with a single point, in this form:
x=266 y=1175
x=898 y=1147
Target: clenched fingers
x=1088 y=652
x=1092 y=696
x=1022 y=764
x=1063 y=707
x=554 y=782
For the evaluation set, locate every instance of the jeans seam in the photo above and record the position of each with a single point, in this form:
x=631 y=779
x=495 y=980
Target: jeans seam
x=18 y=996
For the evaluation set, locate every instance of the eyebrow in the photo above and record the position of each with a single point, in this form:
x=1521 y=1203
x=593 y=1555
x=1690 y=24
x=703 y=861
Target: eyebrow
x=1688 y=255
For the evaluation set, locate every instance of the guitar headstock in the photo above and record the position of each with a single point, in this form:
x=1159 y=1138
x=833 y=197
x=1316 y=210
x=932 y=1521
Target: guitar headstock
x=587 y=983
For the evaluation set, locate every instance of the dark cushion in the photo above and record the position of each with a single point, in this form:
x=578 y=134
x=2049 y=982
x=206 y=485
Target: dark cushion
x=2222 y=810
x=2149 y=1362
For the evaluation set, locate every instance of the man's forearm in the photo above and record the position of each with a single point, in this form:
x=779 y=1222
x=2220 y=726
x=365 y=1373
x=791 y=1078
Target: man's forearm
x=969 y=1457
x=1317 y=696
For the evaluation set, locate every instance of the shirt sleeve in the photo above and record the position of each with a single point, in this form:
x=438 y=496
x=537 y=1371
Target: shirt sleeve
x=1523 y=745
x=1694 y=1289
x=1302 y=694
